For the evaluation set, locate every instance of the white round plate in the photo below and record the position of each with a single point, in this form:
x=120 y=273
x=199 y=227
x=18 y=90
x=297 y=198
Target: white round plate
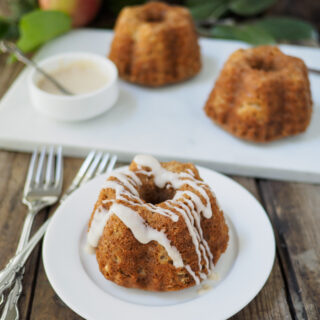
x=238 y=276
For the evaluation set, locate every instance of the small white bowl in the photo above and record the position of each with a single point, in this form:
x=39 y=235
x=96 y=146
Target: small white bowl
x=80 y=106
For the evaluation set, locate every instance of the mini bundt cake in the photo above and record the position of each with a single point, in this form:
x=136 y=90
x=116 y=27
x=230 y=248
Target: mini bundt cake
x=157 y=226
x=155 y=44
x=261 y=95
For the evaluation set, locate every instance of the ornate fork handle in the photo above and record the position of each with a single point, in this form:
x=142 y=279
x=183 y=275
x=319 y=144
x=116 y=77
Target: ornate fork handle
x=7 y=277
x=11 y=310
x=95 y=164
x=42 y=189
x=9 y=273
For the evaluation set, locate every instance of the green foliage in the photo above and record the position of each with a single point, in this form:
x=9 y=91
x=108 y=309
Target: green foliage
x=4 y=27
x=8 y=29
x=250 y=7
x=19 y=7
x=34 y=27
x=264 y=31
x=248 y=33
x=38 y=27
x=206 y=9
x=288 y=29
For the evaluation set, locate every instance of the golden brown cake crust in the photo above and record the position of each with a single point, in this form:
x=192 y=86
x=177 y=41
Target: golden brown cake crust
x=129 y=263
x=261 y=95
x=155 y=44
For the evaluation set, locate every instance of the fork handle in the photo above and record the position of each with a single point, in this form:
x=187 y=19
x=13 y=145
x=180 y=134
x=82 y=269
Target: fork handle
x=8 y=274
x=27 y=225
x=11 y=311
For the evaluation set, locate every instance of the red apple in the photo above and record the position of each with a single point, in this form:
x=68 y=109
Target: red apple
x=81 y=11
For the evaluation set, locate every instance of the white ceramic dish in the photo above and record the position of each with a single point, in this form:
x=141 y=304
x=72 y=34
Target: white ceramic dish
x=167 y=122
x=80 y=106
x=242 y=270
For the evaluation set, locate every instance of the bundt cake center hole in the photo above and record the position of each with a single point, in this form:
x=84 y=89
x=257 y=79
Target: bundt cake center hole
x=154 y=16
x=261 y=64
x=155 y=195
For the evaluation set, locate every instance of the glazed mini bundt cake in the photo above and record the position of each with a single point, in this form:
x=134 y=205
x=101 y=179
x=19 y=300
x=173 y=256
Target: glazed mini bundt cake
x=155 y=44
x=157 y=226
x=261 y=95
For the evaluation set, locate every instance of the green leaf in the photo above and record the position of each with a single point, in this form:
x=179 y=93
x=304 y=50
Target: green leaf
x=191 y=3
x=250 y=7
x=289 y=29
x=220 y=10
x=248 y=33
x=4 y=27
x=12 y=32
x=204 y=9
x=38 y=27
x=20 y=7
x=8 y=29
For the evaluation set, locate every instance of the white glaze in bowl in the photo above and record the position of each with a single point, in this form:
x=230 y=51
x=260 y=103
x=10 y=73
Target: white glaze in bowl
x=80 y=106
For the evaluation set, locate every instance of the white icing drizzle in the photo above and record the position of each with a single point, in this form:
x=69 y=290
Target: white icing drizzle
x=190 y=204
x=192 y=231
x=98 y=222
x=192 y=273
x=144 y=233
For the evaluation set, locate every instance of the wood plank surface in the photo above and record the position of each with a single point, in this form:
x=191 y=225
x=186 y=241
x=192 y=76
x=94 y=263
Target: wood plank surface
x=291 y=292
x=13 y=168
x=295 y=212
x=271 y=303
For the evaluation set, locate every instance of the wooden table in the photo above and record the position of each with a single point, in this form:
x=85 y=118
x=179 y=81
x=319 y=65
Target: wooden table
x=292 y=291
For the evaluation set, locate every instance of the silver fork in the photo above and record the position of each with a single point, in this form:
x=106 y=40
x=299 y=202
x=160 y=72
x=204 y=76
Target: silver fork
x=96 y=163
x=42 y=189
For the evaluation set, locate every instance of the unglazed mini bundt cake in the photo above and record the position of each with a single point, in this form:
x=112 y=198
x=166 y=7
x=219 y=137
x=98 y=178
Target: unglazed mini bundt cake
x=261 y=95
x=157 y=226
x=155 y=44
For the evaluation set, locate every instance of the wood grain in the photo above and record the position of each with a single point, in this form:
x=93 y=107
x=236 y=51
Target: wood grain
x=295 y=211
x=8 y=72
x=13 y=168
x=271 y=303
x=291 y=292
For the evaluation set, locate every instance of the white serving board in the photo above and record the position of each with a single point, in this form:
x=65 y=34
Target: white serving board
x=168 y=122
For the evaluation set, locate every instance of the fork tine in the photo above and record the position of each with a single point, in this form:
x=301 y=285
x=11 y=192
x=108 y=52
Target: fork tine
x=79 y=176
x=103 y=164
x=92 y=168
x=31 y=171
x=83 y=169
x=59 y=168
x=40 y=169
x=49 y=171
x=111 y=164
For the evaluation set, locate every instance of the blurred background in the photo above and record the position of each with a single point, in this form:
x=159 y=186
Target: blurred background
x=33 y=22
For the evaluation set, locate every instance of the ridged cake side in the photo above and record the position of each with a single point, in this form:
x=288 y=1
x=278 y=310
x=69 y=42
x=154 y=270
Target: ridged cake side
x=155 y=44
x=261 y=95
x=127 y=259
